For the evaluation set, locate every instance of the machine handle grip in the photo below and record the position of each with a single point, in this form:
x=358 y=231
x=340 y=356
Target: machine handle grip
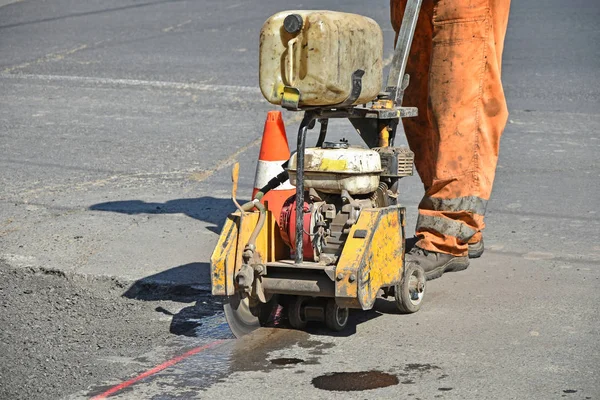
x=291 y=58
x=235 y=174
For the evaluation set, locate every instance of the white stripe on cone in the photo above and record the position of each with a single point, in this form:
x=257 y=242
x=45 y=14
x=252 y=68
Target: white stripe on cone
x=267 y=170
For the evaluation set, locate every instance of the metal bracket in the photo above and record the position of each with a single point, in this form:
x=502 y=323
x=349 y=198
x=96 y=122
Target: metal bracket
x=330 y=271
x=355 y=91
x=290 y=98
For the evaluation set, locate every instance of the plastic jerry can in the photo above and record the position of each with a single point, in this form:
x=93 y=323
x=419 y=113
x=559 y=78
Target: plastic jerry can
x=317 y=53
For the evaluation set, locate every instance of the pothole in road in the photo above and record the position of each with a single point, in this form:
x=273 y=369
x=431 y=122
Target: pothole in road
x=420 y=367
x=354 y=381
x=286 y=361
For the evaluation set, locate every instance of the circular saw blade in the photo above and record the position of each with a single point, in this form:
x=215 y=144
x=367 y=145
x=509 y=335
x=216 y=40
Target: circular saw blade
x=239 y=317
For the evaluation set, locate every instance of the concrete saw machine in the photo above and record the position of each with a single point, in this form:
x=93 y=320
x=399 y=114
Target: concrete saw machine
x=339 y=242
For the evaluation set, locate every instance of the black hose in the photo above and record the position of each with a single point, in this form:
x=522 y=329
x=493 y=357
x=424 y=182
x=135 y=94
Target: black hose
x=301 y=144
x=275 y=182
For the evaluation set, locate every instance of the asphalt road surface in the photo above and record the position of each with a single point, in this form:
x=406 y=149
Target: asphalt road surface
x=119 y=124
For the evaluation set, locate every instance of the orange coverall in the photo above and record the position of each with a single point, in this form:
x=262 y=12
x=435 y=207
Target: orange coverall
x=454 y=66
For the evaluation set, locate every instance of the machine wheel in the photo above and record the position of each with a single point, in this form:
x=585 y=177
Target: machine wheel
x=411 y=289
x=296 y=312
x=336 y=318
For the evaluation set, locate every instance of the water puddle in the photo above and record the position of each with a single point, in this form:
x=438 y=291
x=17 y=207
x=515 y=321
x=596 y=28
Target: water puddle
x=354 y=381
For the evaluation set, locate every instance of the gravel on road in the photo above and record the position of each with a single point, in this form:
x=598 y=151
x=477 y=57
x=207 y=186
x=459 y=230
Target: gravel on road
x=64 y=333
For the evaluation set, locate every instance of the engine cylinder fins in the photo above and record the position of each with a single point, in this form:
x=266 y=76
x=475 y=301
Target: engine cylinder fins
x=380 y=196
x=396 y=162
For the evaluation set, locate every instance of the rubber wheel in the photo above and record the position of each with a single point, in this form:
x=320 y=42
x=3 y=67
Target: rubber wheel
x=296 y=312
x=411 y=289
x=336 y=318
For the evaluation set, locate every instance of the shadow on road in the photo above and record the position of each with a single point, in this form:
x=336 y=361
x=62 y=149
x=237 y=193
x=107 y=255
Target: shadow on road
x=382 y=307
x=356 y=318
x=208 y=209
x=279 y=319
x=178 y=285
x=184 y=283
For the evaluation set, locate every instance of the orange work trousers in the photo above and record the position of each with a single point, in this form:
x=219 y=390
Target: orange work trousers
x=454 y=66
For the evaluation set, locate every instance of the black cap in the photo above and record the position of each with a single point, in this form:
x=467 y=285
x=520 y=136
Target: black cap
x=293 y=23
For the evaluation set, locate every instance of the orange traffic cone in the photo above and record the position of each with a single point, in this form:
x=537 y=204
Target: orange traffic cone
x=274 y=151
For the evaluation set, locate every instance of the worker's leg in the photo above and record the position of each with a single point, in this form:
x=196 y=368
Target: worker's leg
x=499 y=10
x=465 y=116
x=469 y=110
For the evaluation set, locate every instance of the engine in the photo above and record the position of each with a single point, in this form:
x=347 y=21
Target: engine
x=340 y=181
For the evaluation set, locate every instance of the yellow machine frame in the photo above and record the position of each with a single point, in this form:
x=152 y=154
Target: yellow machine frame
x=251 y=262
x=372 y=258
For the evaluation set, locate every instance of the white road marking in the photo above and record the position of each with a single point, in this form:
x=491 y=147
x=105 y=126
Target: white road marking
x=7 y=2
x=57 y=56
x=134 y=83
x=170 y=28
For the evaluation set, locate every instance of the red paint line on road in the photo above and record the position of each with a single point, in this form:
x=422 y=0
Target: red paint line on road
x=154 y=370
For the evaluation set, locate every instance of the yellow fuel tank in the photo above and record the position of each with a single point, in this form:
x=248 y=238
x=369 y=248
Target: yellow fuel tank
x=317 y=52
